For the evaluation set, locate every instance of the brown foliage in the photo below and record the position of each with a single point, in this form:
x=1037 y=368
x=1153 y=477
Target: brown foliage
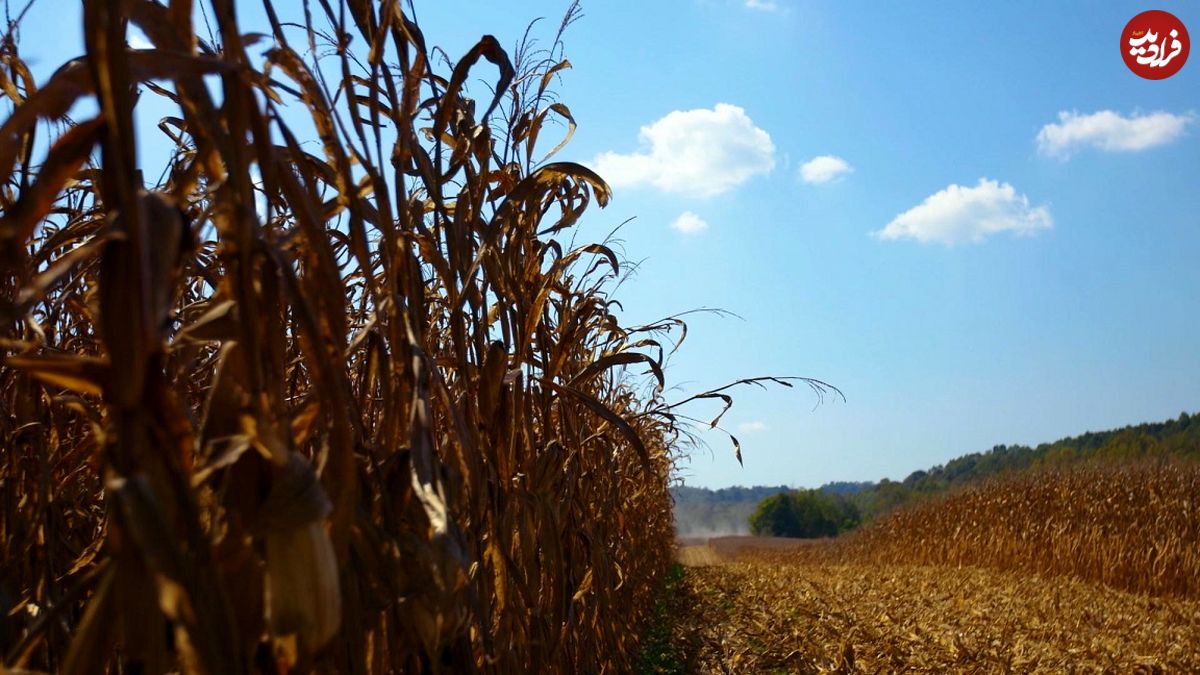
x=352 y=406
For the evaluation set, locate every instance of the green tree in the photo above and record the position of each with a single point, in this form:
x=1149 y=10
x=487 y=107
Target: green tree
x=815 y=514
x=805 y=514
x=775 y=516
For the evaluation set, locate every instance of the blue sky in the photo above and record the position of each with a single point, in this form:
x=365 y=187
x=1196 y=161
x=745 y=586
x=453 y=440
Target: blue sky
x=1021 y=337
x=1004 y=248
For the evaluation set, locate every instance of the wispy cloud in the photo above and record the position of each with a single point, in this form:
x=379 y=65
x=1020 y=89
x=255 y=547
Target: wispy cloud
x=698 y=152
x=824 y=169
x=1110 y=131
x=959 y=214
x=751 y=427
x=763 y=5
x=689 y=223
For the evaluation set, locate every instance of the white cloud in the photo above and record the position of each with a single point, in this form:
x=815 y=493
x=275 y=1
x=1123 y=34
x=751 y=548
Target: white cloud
x=137 y=39
x=689 y=223
x=752 y=427
x=1110 y=131
x=762 y=5
x=694 y=152
x=960 y=214
x=824 y=169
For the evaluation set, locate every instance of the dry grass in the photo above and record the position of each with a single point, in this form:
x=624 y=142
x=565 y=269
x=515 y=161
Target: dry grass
x=349 y=403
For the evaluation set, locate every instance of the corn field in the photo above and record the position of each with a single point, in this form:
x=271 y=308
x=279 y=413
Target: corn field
x=340 y=400
x=1132 y=526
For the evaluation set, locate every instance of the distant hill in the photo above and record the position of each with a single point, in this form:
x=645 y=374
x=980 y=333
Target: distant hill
x=702 y=512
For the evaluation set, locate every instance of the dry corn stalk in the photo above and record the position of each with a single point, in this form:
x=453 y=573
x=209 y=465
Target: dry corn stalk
x=351 y=405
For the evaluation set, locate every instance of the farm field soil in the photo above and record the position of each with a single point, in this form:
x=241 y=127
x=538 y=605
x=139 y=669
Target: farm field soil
x=756 y=609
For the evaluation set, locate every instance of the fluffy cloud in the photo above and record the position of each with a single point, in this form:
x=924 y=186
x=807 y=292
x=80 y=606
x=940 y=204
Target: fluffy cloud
x=960 y=214
x=699 y=152
x=762 y=5
x=1110 y=131
x=752 y=427
x=689 y=223
x=824 y=169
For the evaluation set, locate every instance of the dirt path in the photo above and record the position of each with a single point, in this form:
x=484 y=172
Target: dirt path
x=753 y=612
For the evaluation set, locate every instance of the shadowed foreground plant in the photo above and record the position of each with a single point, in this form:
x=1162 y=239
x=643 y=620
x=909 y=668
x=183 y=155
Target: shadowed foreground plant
x=347 y=406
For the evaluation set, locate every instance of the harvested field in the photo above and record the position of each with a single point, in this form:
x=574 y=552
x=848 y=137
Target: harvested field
x=697 y=556
x=729 y=547
x=758 y=613
x=698 y=551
